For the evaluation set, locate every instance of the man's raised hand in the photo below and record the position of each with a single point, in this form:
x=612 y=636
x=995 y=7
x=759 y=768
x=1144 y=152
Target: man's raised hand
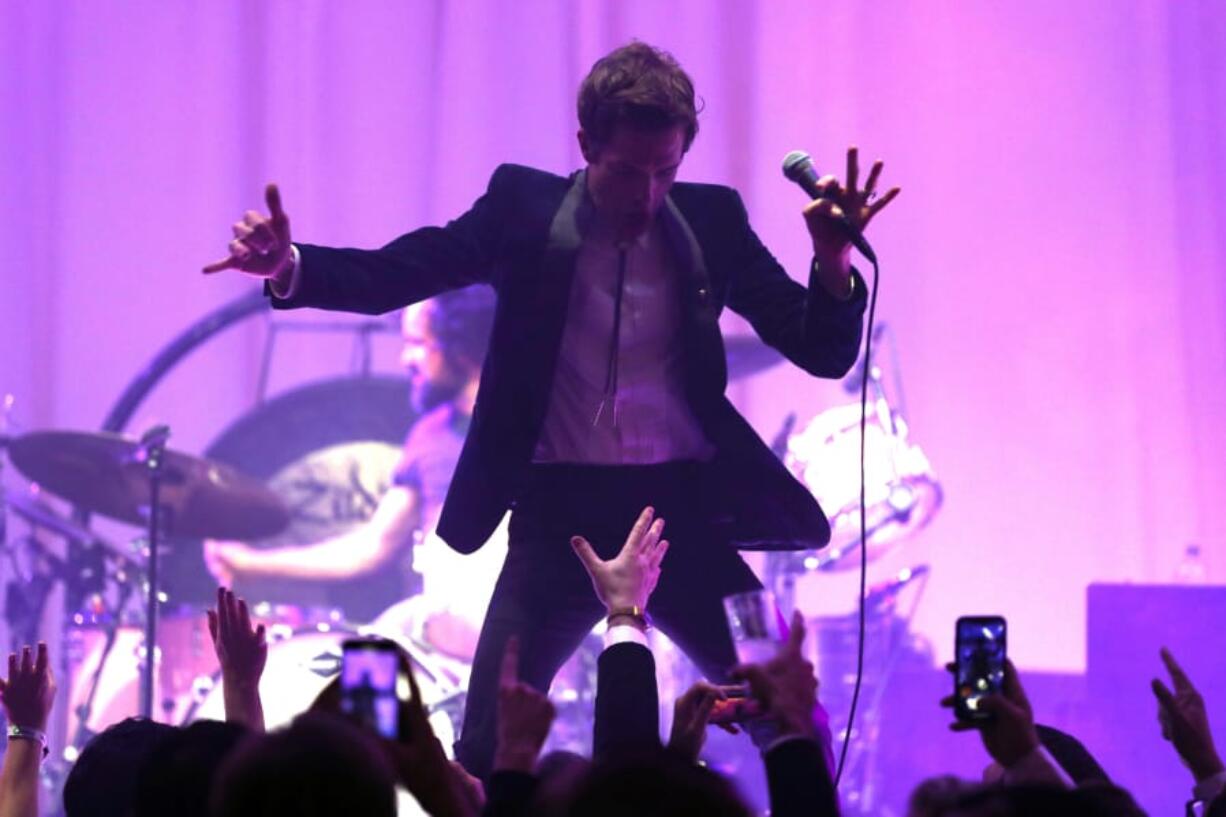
x=242 y=649
x=261 y=244
x=787 y=688
x=1184 y=722
x=628 y=579
x=28 y=690
x=524 y=716
x=1010 y=734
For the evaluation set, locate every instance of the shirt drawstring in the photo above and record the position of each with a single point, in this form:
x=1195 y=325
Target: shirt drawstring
x=610 y=381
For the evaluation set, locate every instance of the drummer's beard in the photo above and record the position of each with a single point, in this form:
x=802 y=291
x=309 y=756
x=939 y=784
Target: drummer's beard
x=426 y=395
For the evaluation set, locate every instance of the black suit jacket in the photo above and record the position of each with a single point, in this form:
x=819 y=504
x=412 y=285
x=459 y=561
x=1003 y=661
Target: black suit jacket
x=522 y=237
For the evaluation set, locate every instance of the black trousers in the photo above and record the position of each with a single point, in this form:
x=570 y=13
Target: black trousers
x=545 y=597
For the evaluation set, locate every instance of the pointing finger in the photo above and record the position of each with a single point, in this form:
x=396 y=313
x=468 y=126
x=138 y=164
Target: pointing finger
x=1182 y=682
x=217 y=266
x=273 y=197
x=796 y=635
x=853 y=167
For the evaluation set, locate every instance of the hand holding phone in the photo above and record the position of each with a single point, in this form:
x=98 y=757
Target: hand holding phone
x=988 y=695
x=372 y=684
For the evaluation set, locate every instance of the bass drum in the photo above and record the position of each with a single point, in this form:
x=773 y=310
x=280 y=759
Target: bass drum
x=328 y=449
x=298 y=669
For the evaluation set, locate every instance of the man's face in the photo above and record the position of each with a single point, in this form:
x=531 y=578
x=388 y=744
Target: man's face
x=431 y=376
x=629 y=175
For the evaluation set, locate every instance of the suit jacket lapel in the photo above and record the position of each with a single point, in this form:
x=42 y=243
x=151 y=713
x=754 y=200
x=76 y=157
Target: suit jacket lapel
x=548 y=299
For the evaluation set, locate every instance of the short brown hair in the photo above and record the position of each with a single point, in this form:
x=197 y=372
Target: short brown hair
x=638 y=85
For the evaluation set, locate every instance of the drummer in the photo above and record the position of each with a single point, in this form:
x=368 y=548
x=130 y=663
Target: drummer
x=445 y=341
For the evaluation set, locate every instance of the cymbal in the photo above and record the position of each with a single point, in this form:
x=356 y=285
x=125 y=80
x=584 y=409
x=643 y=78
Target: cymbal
x=106 y=473
x=747 y=356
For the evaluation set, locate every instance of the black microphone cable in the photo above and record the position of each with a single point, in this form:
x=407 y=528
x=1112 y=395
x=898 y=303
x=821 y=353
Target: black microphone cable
x=868 y=362
x=798 y=167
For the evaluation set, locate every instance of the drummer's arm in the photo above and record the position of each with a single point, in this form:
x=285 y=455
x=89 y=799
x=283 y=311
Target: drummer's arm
x=351 y=554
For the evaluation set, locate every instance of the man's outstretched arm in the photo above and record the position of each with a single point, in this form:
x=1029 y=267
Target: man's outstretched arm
x=411 y=268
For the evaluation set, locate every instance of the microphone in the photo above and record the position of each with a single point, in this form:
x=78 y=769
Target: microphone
x=798 y=166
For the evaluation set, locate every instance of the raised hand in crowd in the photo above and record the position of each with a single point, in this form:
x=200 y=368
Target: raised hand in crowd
x=242 y=652
x=27 y=693
x=625 y=582
x=786 y=688
x=524 y=717
x=1184 y=723
x=416 y=756
x=1010 y=735
x=261 y=244
x=793 y=730
x=691 y=716
x=420 y=762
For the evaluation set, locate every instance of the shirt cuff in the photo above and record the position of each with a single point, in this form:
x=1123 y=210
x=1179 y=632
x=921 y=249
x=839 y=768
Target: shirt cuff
x=1209 y=788
x=291 y=288
x=621 y=633
x=1037 y=766
x=775 y=743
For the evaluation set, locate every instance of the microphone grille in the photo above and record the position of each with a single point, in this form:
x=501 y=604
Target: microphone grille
x=795 y=164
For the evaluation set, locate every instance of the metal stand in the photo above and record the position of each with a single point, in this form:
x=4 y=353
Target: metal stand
x=152 y=448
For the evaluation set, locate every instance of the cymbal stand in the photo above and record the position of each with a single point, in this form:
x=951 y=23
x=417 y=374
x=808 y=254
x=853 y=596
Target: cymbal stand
x=151 y=453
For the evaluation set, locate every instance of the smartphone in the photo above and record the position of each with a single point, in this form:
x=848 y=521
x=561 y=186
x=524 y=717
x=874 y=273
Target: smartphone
x=979 y=664
x=737 y=707
x=370 y=684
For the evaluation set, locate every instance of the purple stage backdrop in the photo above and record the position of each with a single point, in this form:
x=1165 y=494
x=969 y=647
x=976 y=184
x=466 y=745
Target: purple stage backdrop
x=1054 y=271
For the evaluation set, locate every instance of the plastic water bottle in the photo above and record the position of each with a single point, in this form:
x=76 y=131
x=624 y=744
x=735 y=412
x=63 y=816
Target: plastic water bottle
x=1191 y=568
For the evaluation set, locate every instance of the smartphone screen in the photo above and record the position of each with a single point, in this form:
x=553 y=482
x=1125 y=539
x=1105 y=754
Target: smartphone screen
x=369 y=670
x=979 y=650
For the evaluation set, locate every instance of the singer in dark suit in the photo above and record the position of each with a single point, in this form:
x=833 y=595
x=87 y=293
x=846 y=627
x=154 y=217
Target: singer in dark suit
x=603 y=389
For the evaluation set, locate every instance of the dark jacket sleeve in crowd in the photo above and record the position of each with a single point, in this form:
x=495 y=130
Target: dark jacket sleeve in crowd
x=627 y=702
x=799 y=781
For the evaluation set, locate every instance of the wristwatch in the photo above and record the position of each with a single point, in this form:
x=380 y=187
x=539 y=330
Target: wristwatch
x=638 y=614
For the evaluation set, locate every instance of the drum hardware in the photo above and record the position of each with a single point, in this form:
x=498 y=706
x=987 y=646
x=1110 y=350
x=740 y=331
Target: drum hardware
x=84 y=710
x=144 y=482
x=363 y=332
x=902 y=492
